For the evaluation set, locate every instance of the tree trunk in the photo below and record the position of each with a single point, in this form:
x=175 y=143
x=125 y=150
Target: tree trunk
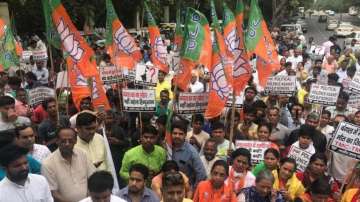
x=279 y=11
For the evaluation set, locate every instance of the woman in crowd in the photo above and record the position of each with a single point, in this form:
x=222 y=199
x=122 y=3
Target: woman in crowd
x=262 y=191
x=285 y=180
x=263 y=132
x=271 y=161
x=353 y=179
x=317 y=169
x=239 y=174
x=351 y=195
x=215 y=189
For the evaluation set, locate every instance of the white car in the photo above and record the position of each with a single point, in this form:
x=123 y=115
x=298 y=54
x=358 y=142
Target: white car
x=344 y=29
x=332 y=24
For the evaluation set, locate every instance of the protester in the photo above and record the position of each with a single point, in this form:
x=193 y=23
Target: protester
x=25 y=137
x=271 y=161
x=136 y=189
x=209 y=157
x=319 y=190
x=215 y=189
x=8 y=117
x=262 y=191
x=169 y=167
x=174 y=188
x=100 y=185
x=148 y=154
x=223 y=145
x=240 y=175
x=60 y=166
x=185 y=155
x=286 y=181
x=19 y=185
x=197 y=137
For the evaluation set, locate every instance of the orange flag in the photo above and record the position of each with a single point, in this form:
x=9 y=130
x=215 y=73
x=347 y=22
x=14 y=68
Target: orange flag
x=72 y=42
x=258 y=41
x=234 y=40
x=120 y=44
x=220 y=67
x=196 y=47
x=80 y=87
x=78 y=83
x=158 y=49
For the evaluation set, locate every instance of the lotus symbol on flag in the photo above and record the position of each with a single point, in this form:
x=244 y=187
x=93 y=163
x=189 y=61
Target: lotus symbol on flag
x=218 y=81
x=68 y=40
x=232 y=41
x=95 y=91
x=124 y=42
x=80 y=79
x=160 y=50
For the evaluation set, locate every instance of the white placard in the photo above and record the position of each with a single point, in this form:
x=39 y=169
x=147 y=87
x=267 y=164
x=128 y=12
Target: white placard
x=138 y=100
x=256 y=148
x=354 y=85
x=190 y=103
x=146 y=75
x=39 y=94
x=301 y=157
x=62 y=80
x=281 y=85
x=110 y=75
x=346 y=140
x=323 y=94
x=239 y=100
x=39 y=55
x=25 y=56
x=354 y=101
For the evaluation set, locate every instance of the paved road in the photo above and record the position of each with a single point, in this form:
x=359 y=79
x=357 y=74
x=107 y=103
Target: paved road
x=319 y=32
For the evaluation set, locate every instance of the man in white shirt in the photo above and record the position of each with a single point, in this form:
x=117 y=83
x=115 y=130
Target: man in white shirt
x=326 y=45
x=324 y=126
x=197 y=136
x=42 y=74
x=8 y=117
x=19 y=185
x=100 y=185
x=209 y=157
x=25 y=137
x=295 y=59
x=195 y=85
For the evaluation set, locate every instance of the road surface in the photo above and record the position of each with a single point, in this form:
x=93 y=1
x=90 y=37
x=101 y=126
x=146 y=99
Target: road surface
x=319 y=32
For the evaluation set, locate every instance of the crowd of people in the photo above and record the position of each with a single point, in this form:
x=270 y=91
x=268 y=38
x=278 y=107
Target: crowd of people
x=54 y=152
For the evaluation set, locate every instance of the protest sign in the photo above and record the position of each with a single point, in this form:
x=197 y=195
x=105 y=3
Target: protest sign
x=39 y=94
x=301 y=157
x=239 y=100
x=281 y=85
x=323 y=94
x=354 y=101
x=39 y=55
x=346 y=140
x=256 y=148
x=25 y=56
x=138 y=100
x=190 y=103
x=146 y=75
x=110 y=75
x=62 y=80
x=354 y=85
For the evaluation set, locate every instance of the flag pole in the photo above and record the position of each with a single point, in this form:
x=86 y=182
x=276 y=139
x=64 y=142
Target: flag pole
x=232 y=121
x=52 y=70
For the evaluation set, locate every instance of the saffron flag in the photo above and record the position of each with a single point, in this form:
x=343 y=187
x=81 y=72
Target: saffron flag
x=78 y=83
x=121 y=46
x=258 y=41
x=52 y=36
x=8 y=48
x=72 y=42
x=219 y=85
x=234 y=40
x=82 y=87
x=196 y=47
x=158 y=49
